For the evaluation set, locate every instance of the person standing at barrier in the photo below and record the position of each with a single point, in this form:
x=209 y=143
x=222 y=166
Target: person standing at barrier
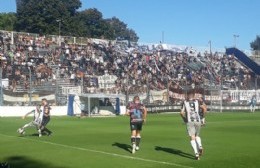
x=190 y=115
x=137 y=112
x=253 y=103
x=202 y=110
x=46 y=118
x=107 y=102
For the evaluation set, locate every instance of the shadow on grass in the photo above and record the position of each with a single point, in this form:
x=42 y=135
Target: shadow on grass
x=126 y=147
x=32 y=135
x=25 y=162
x=174 y=151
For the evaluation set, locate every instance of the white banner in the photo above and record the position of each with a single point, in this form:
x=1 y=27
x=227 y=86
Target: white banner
x=26 y=98
x=5 y=83
x=71 y=90
x=106 y=81
x=158 y=95
x=240 y=95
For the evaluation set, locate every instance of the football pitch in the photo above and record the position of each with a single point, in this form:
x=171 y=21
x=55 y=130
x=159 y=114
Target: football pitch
x=230 y=139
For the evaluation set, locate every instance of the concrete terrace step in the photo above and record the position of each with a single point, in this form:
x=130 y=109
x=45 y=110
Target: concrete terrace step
x=46 y=86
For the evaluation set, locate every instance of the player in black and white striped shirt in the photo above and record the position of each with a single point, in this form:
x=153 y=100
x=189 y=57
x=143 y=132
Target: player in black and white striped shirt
x=36 y=122
x=190 y=115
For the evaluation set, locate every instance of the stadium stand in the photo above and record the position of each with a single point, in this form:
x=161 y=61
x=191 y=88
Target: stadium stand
x=245 y=59
x=37 y=62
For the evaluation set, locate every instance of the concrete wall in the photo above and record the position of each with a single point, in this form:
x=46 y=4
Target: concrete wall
x=16 y=111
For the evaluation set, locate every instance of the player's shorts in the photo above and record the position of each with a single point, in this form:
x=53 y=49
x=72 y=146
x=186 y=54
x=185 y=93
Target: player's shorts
x=45 y=121
x=252 y=105
x=32 y=124
x=193 y=128
x=136 y=126
x=36 y=123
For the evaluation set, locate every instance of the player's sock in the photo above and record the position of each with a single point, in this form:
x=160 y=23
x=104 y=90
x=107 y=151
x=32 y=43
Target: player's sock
x=203 y=121
x=25 y=126
x=198 y=140
x=47 y=130
x=133 y=139
x=138 y=140
x=40 y=132
x=133 y=148
x=194 y=146
x=200 y=148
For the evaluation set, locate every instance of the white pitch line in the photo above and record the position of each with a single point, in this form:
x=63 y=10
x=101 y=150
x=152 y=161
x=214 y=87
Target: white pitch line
x=102 y=152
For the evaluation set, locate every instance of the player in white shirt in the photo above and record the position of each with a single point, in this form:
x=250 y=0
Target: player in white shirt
x=36 y=122
x=190 y=115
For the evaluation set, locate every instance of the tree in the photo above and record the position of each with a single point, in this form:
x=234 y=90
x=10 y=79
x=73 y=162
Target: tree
x=121 y=31
x=61 y=16
x=96 y=27
x=7 y=21
x=255 y=45
x=92 y=21
x=132 y=35
x=40 y=16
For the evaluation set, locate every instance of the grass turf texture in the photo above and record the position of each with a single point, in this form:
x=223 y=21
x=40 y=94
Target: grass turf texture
x=229 y=139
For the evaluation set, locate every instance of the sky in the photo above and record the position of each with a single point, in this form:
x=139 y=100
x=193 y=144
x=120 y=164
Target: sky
x=198 y=23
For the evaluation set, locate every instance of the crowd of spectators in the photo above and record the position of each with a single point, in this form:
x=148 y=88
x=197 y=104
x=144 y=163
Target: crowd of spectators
x=137 y=67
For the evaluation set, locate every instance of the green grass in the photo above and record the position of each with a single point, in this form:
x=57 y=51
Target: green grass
x=229 y=139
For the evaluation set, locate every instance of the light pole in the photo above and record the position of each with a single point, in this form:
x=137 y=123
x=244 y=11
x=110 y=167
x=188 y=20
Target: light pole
x=235 y=39
x=210 y=48
x=1 y=86
x=148 y=90
x=30 y=87
x=59 y=21
x=127 y=92
x=166 y=81
x=57 y=84
x=82 y=84
x=2 y=62
x=162 y=36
